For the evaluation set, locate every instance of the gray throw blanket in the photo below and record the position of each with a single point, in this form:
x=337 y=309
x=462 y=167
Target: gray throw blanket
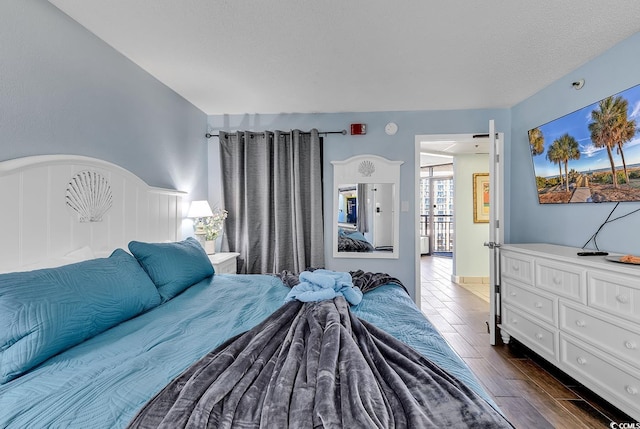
x=316 y=365
x=350 y=244
x=365 y=281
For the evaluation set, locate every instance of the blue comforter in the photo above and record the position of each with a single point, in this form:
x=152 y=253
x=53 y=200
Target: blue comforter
x=103 y=382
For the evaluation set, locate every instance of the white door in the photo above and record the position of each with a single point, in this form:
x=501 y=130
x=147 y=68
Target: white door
x=383 y=214
x=496 y=211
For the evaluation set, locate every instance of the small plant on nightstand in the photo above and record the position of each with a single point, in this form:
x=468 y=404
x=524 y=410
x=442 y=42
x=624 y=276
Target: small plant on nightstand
x=213 y=226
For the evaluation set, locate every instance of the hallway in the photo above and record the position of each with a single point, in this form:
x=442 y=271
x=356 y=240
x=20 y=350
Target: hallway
x=530 y=392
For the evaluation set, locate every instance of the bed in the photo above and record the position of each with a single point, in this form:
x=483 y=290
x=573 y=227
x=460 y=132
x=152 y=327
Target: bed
x=353 y=241
x=105 y=321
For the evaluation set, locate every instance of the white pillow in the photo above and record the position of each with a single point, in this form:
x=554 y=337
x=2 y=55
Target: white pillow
x=78 y=255
x=82 y=254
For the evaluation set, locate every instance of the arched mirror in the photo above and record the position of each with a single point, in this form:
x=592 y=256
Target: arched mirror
x=365 y=207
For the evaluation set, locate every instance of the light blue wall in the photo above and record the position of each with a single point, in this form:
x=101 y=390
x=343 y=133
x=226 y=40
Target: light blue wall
x=63 y=90
x=612 y=72
x=338 y=147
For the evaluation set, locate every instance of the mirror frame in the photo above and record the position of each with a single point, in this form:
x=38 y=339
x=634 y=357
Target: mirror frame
x=367 y=169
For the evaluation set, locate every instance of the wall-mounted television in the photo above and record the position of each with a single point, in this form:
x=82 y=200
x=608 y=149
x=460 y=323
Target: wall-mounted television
x=590 y=155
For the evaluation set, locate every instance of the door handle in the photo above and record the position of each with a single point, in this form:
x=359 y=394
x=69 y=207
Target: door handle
x=492 y=244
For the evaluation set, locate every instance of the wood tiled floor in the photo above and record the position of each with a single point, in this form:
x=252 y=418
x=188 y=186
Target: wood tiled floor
x=531 y=393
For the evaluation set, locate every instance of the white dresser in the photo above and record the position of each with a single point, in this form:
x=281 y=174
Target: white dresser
x=582 y=313
x=224 y=262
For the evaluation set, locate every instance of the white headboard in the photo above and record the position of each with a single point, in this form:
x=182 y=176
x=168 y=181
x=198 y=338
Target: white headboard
x=38 y=223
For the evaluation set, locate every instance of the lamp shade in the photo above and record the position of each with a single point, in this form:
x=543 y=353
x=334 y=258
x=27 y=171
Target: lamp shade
x=199 y=209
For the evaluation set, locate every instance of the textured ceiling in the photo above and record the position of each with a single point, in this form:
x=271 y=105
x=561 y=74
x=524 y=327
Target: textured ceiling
x=274 y=56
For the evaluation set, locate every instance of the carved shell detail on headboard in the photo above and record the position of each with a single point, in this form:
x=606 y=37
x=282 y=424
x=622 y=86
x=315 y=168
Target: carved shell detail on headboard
x=89 y=194
x=366 y=168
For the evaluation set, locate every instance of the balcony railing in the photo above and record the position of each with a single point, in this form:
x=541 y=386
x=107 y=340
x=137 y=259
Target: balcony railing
x=442 y=237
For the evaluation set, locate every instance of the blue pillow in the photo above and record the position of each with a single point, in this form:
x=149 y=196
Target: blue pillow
x=173 y=267
x=356 y=235
x=45 y=312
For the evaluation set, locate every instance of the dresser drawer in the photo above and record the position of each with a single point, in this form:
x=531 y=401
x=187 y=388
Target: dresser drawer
x=616 y=294
x=561 y=279
x=620 y=339
x=613 y=380
x=517 y=266
x=543 y=340
x=537 y=303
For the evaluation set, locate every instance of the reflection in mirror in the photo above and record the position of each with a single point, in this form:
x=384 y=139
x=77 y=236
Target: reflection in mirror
x=365 y=217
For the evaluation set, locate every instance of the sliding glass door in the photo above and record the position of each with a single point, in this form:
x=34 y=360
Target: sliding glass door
x=436 y=209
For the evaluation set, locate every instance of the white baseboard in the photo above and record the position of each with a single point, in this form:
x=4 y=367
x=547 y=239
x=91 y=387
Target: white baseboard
x=466 y=280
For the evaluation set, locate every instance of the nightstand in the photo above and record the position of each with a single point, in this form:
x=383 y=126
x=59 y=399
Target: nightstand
x=224 y=262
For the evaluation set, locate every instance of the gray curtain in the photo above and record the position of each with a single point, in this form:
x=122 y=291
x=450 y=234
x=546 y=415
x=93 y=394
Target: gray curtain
x=362 y=221
x=272 y=186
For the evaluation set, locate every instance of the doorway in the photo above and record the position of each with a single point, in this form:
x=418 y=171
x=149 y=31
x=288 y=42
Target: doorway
x=445 y=168
x=475 y=156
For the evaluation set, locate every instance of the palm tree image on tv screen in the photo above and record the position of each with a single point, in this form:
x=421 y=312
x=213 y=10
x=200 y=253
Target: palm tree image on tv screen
x=590 y=155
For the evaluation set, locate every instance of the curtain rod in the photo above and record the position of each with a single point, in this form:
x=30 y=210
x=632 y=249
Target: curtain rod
x=343 y=132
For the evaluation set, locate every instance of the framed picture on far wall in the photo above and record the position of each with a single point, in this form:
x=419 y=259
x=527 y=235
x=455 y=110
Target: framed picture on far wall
x=480 y=197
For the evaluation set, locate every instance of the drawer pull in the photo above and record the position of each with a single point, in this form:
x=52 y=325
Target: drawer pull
x=515 y=267
x=537 y=305
x=556 y=280
x=539 y=336
x=630 y=345
x=582 y=361
x=622 y=299
x=581 y=323
x=514 y=321
x=513 y=294
x=631 y=390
